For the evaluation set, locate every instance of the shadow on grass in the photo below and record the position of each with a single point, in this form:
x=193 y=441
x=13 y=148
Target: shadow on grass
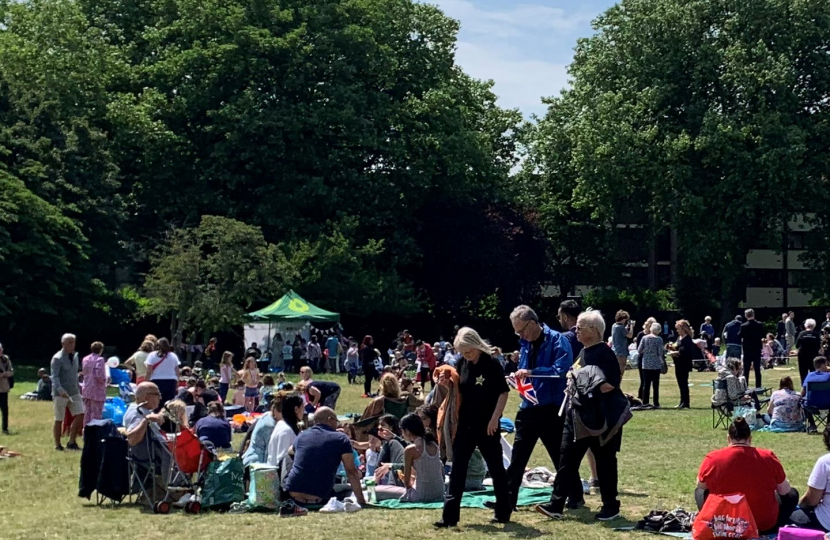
x=635 y=495
x=514 y=529
x=586 y=516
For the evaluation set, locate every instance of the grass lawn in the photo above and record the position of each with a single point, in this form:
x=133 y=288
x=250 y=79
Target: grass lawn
x=659 y=460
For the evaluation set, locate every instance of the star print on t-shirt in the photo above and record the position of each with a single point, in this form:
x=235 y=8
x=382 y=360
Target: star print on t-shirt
x=480 y=380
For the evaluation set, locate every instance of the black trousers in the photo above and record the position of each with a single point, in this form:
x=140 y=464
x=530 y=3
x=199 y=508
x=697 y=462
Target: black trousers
x=642 y=381
x=368 y=377
x=568 y=485
x=681 y=371
x=466 y=440
x=751 y=360
x=651 y=380
x=4 y=409
x=426 y=377
x=534 y=423
x=805 y=366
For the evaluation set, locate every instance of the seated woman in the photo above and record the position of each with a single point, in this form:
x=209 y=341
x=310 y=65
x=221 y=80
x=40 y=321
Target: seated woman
x=389 y=390
x=214 y=427
x=287 y=410
x=423 y=474
x=754 y=472
x=391 y=455
x=735 y=392
x=174 y=416
x=785 y=408
x=814 y=512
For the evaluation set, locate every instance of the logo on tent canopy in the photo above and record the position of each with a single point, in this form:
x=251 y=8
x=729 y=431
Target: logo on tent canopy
x=298 y=305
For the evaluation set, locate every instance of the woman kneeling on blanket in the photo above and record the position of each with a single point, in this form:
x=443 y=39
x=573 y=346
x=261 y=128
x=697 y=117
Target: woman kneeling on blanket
x=423 y=472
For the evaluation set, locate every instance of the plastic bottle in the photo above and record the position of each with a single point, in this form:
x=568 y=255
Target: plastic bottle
x=370 y=487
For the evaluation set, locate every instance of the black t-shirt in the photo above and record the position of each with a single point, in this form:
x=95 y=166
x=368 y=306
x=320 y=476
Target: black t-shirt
x=480 y=385
x=808 y=344
x=603 y=357
x=752 y=335
x=255 y=352
x=326 y=388
x=534 y=351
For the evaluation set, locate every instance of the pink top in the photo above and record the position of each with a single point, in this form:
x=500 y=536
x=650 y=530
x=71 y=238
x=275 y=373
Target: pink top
x=95 y=378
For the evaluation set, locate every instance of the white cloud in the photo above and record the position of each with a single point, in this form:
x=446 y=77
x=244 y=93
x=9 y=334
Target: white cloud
x=525 y=48
x=513 y=22
x=520 y=83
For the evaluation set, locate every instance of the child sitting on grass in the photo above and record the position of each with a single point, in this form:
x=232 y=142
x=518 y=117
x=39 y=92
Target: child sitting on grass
x=239 y=393
x=267 y=388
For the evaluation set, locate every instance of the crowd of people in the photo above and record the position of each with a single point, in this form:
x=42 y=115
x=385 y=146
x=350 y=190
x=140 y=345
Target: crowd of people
x=438 y=409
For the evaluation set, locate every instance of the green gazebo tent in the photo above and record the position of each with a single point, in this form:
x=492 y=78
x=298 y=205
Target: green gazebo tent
x=292 y=307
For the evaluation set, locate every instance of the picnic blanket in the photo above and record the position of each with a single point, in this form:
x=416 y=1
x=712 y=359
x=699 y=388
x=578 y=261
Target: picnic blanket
x=472 y=499
x=686 y=535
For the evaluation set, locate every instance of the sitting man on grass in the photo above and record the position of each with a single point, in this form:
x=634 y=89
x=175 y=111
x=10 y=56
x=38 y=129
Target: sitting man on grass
x=815 y=402
x=754 y=472
x=318 y=452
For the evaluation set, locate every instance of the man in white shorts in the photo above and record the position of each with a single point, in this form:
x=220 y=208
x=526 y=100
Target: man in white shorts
x=66 y=392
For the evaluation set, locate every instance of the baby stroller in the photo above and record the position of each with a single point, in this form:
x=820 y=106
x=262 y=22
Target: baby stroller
x=191 y=458
x=161 y=468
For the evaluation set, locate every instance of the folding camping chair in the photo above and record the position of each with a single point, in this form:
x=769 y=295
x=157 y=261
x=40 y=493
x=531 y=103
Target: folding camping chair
x=150 y=475
x=818 y=397
x=104 y=468
x=721 y=414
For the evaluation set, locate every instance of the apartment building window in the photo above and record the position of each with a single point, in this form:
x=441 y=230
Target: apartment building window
x=765 y=278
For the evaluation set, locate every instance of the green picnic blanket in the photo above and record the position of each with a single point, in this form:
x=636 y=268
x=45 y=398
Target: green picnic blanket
x=473 y=499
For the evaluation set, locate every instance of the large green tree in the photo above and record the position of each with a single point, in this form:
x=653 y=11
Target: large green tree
x=709 y=116
x=329 y=124
x=40 y=253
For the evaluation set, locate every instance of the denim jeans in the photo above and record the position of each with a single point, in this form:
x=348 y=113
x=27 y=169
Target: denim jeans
x=733 y=351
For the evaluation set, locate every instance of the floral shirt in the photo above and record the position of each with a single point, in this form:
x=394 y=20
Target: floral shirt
x=95 y=378
x=651 y=352
x=786 y=406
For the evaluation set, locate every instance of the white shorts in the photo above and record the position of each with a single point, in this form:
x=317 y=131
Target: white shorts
x=75 y=404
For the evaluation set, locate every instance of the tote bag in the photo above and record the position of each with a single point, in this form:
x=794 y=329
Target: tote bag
x=725 y=517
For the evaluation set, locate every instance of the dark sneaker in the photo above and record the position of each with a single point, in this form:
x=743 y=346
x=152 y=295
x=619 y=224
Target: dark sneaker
x=443 y=524
x=59 y=448
x=73 y=446
x=6 y=432
x=497 y=520
x=490 y=504
x=575 y=505
x=292 y=509
x=549 y=510
x=607 y=514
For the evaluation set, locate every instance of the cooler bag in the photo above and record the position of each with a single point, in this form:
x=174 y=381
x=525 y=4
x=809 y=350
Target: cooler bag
x=263 y=492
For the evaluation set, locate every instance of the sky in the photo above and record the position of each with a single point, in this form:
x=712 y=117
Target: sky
x=525 y=47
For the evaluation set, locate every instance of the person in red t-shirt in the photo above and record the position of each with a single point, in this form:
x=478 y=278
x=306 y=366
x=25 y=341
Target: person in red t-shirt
x=426 y=356
x=754 y=472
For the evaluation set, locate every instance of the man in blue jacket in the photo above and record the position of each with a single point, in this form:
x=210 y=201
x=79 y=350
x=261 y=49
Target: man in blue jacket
x=543 y=352
x=732 y=337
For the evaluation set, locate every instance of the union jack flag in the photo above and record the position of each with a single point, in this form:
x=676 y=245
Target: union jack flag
x=524 y=387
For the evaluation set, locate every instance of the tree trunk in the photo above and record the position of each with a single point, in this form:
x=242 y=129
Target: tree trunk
x=177 y=330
